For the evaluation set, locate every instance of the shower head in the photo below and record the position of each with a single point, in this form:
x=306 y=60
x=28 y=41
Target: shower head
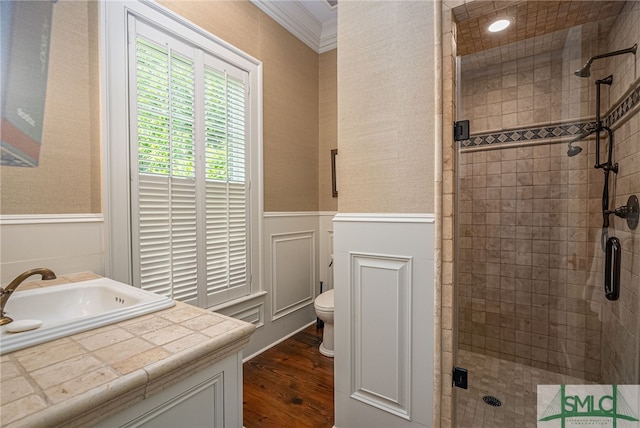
x=573 y=150
x=585 y=71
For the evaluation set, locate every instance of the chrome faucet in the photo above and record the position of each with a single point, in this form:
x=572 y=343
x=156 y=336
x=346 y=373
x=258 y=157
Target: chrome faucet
x=5 y=293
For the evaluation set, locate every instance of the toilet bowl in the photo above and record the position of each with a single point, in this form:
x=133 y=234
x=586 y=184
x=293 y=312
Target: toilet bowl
x=324 y=309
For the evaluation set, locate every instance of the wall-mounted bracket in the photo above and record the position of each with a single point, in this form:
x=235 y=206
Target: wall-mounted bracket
x=461 y=130
x=460 y=377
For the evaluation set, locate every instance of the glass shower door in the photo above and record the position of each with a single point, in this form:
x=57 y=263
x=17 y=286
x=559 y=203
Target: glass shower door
x=531 y=256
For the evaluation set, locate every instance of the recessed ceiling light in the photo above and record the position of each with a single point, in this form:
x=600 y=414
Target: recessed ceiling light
x=499 y=25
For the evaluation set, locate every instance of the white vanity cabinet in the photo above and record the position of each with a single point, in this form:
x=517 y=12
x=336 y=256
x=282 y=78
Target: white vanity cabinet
x=212 y=397
x=177 y=367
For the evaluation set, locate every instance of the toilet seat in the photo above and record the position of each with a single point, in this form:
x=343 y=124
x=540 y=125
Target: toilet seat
x=324 y=301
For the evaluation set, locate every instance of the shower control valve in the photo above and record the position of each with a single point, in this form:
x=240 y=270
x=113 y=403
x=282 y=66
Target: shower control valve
x=609 y=167
x=620 y=211
x=630 y=212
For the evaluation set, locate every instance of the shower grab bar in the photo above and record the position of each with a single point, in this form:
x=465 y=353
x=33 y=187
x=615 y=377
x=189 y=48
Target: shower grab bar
x=613 y=255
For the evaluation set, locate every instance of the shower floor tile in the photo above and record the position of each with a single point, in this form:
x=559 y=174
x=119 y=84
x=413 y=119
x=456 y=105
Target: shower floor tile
x=514 y=384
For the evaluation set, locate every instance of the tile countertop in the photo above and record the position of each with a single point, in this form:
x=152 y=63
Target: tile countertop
x=80 y=379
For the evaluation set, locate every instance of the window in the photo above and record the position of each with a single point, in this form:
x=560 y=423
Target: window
x=193 y=144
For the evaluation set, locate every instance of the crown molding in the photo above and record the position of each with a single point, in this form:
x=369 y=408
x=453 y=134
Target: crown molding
x=329 y=39
x=296 y=19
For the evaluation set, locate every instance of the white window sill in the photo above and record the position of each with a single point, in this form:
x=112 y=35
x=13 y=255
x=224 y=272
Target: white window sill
x=237 y=301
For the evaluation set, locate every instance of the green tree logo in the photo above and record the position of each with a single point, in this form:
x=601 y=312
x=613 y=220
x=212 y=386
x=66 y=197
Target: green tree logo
x=590 y=408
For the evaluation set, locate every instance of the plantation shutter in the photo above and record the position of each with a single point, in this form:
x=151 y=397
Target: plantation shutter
x=189 y=186
x=226 y=206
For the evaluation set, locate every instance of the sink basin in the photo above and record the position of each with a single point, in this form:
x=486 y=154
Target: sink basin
x=73 y=308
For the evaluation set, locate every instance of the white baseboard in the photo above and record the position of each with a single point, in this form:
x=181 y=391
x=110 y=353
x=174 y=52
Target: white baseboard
x=255 y=354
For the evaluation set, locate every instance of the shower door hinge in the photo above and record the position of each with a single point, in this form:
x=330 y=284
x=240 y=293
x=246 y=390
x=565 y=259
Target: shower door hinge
x=460 y=377
x=461 y=130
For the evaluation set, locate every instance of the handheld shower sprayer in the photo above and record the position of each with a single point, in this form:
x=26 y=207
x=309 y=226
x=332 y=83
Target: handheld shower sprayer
x=585 y=71
x=574 y=150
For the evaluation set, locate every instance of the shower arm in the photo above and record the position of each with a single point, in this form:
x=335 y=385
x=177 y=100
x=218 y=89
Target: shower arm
x=584 y=71
x=583 y=135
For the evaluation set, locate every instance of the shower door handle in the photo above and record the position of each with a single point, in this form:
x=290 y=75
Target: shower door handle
x=612 y=269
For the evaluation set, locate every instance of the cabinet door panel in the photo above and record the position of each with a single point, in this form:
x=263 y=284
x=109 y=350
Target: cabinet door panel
x=211 y=397
x=200 y=406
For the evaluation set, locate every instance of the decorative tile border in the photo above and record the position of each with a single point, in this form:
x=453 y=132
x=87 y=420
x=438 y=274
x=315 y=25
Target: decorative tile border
x=552 y=131
x=528 y=134
x=632 y=100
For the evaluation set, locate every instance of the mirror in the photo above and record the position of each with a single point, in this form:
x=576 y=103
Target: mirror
x=50 y=108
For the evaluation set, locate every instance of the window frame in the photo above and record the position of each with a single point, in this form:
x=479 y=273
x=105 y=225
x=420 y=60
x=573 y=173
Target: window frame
x=117 y=168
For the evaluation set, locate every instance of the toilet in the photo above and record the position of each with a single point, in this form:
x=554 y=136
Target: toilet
x=324 y=310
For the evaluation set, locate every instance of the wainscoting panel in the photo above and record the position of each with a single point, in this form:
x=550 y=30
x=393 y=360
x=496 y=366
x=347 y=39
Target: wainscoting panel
x=381 y=346
x=65 y=243
x=293 y=267
x=292 y=245
x=384 y=270
x=253 y=314
x=297 y=247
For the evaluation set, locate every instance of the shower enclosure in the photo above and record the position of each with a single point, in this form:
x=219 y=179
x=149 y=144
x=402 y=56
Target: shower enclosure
x=540 y=230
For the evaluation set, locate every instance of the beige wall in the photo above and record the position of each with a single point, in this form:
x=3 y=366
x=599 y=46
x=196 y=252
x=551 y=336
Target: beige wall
x=290 y=107
x=387 y=107
x=67 y=179
x=328 y=132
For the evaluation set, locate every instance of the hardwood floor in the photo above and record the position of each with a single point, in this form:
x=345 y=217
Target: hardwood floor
x=290 y=385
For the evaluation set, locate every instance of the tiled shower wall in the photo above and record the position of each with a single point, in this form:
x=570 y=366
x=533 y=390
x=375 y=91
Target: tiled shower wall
x=524 y=259
x=530 y=262
x=620 y=319
x=509 y=91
